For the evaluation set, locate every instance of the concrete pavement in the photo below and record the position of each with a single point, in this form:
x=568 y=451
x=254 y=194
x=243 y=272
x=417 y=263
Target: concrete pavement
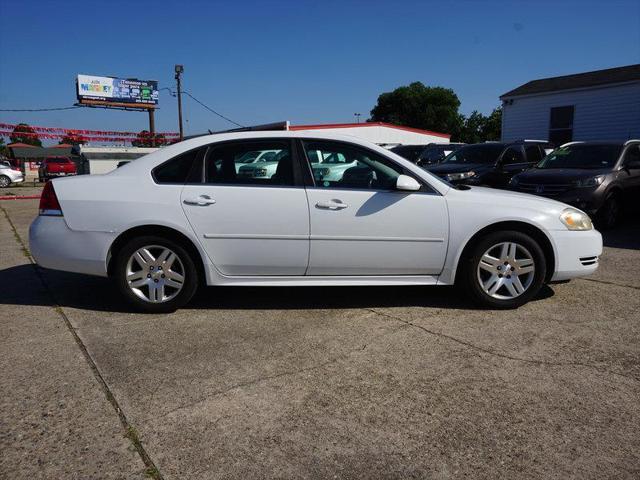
x=329 y=382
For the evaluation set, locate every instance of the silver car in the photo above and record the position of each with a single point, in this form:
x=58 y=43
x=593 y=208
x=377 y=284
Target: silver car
x=8 y=175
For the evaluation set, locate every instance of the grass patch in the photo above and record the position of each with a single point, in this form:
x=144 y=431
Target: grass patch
x=152 y=472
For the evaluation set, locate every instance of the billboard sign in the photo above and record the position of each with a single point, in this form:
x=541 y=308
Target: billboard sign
x=117 y=92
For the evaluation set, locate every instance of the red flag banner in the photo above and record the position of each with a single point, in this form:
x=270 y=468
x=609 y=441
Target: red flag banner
x=60 y=132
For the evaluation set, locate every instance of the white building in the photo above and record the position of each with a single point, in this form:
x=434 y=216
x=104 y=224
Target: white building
x=105 y=159
x=600 y=105
x=384 y=134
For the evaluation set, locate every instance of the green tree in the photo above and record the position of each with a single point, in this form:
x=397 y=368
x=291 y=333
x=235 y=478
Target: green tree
x=73 y=139
x=493 y=125
x=4 y=151
x=478 y=128
x=23 y=133
x=473 y=128
x=145 y=139
x=420 y=106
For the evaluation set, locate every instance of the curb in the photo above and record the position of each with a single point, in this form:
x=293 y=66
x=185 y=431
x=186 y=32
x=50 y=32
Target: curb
x=19 y=197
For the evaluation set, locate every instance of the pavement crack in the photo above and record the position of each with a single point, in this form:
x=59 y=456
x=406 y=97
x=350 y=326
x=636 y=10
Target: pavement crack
x=595 y=280
x=287 y=373
x=128 y=427
x=498 y=354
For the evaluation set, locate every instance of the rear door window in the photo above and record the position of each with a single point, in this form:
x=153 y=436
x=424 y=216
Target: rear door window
x=267 y=163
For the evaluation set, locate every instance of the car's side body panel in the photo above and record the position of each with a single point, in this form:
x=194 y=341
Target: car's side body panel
x=377 y=232
x=271 y=239
x=422 y=243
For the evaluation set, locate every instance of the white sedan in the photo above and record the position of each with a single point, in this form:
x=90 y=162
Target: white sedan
x=182 y=216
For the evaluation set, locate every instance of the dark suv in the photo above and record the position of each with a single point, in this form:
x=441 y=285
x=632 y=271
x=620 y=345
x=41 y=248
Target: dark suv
x=428 y=154
x=490 y=164
x=597 y=177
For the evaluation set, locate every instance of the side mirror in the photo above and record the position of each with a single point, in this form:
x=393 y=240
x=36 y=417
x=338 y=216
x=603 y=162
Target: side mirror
x=407 y=183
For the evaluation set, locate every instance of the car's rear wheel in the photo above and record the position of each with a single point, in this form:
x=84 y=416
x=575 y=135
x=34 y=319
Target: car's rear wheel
x=503 y=270
x=4 y=181
x=609 y=214
x=155 y=274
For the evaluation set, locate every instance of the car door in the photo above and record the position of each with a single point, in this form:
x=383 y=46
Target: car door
x=361 y=225
x=253 y=222
x=630 y=175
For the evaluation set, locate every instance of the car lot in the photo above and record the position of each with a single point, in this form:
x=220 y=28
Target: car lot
x=399 y=382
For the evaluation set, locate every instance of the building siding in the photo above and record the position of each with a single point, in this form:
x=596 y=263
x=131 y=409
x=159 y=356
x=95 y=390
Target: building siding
x=602 y=113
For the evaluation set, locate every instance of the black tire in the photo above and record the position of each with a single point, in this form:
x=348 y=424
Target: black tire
x=609 y=213
x=190 y=274
x=4 y=181
x=468 y=276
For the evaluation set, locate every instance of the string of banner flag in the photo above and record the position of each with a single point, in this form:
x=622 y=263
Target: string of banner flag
x=7 y=129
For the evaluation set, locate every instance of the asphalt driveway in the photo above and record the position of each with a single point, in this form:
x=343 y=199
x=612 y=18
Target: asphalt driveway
x=317 y=382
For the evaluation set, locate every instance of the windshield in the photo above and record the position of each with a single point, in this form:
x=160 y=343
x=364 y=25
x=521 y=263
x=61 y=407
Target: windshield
x=481 y=153
x=582 y=156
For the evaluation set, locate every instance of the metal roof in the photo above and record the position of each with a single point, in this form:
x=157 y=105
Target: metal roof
x=630 y=73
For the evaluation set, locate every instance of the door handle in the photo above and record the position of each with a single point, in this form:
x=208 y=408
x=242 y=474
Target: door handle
x=332 y=205
x=202 y=201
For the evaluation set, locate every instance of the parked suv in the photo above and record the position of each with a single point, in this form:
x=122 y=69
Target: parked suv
x=428 y=154
x=53 y=167
x=597 y=177
x=490 y=164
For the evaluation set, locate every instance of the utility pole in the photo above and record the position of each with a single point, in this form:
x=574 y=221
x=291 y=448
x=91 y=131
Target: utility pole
x=179 y=69
x=152 y=126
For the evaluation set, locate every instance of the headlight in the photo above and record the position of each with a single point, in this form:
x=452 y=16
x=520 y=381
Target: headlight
x=461 y=176
x=590 y=182
x=574 y=219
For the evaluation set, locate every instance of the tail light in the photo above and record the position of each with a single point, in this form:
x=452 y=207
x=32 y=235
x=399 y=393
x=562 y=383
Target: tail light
x=49 y=204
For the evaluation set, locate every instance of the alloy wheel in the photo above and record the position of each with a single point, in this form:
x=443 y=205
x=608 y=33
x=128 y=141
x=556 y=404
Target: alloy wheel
x=4 y=181
x=155 y=274
x=506 y=270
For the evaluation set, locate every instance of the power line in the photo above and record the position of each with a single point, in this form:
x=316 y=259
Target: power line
x=212 y=110
x=36 y=109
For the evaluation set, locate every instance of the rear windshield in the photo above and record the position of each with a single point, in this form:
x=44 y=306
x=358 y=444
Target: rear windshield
x=487 y=153
x=582 y=156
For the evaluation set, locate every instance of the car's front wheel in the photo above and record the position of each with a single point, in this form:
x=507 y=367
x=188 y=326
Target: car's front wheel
x=4 y=181
x=155 y=274
x=503 y=270
x=608 y=215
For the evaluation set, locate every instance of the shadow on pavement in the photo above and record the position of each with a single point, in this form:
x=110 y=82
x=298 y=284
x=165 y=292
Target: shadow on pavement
x=626 y=235
x=99 y=294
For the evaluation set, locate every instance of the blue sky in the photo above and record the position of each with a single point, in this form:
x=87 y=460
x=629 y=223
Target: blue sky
x=304 y=61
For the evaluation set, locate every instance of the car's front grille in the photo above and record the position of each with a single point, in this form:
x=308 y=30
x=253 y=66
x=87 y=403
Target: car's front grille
x=588 y=261
x=548 y=190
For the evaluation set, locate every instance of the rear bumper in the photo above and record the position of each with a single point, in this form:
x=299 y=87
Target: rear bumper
x=577 y=253
x=59 y=174
x=54 y=245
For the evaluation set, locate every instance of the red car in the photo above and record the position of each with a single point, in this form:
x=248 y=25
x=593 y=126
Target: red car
x=52 y=167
